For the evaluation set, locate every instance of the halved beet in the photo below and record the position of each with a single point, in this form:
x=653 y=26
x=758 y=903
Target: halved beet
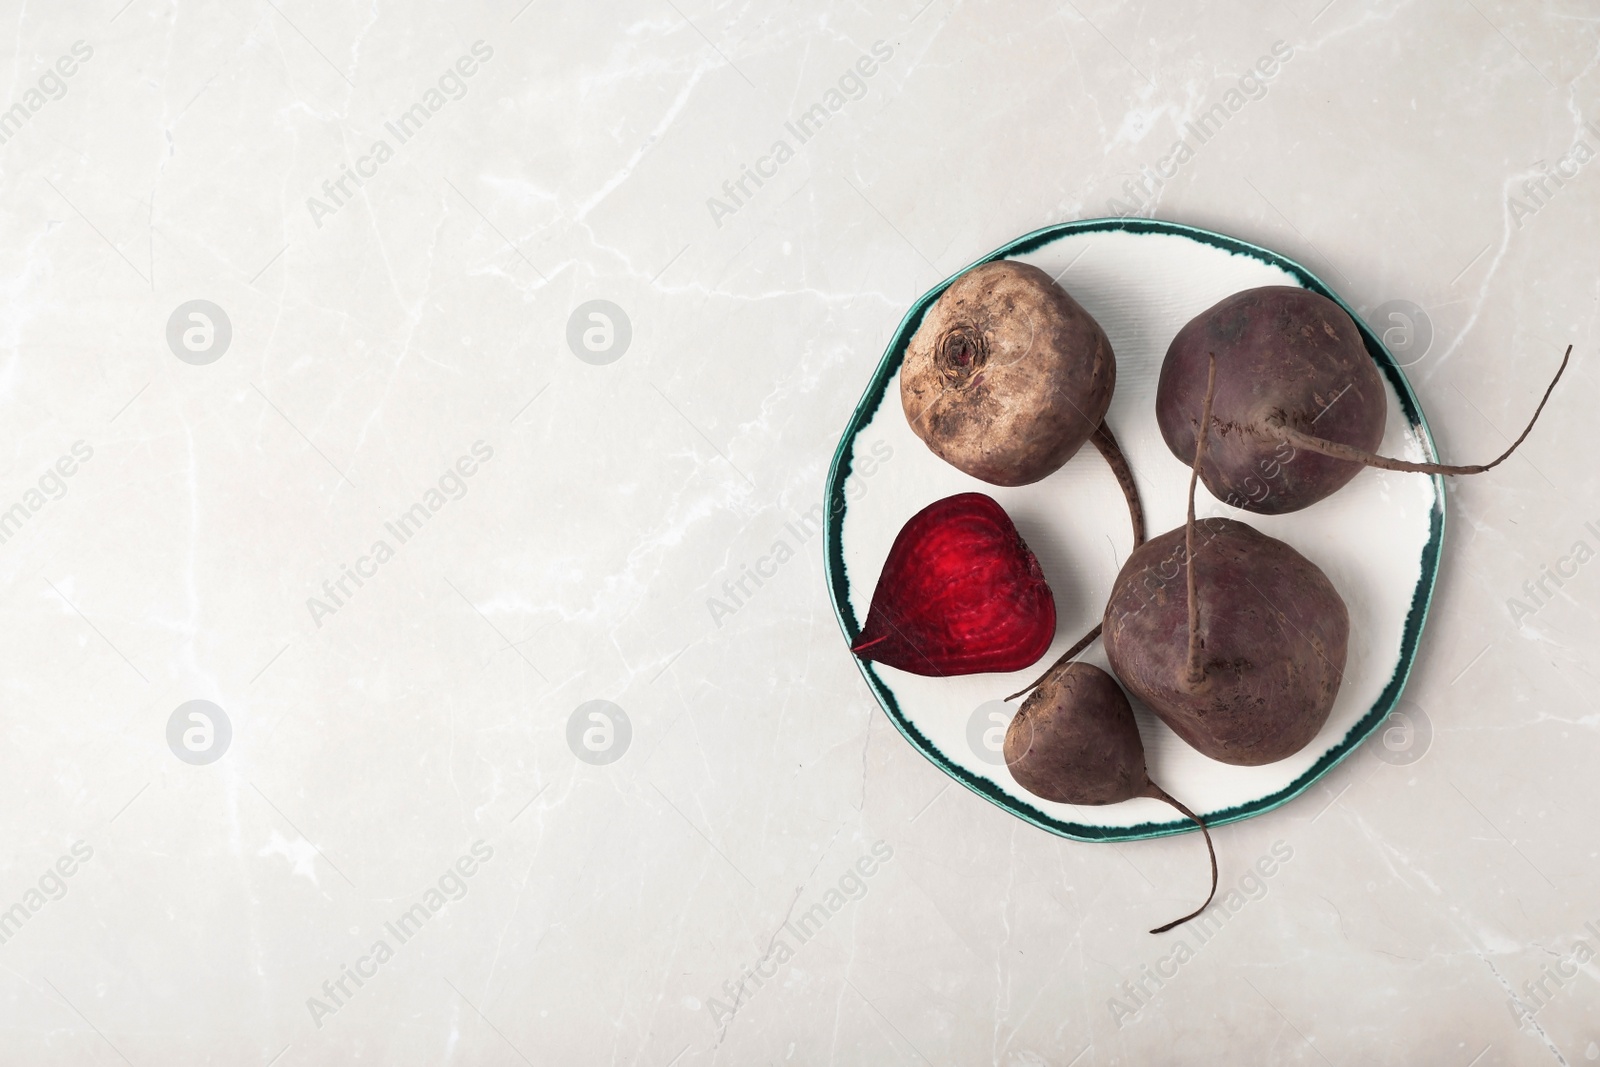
x=960 y=594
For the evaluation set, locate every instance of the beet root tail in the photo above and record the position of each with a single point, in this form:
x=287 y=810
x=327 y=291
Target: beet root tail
x=1334 y=450
x=1157 y=793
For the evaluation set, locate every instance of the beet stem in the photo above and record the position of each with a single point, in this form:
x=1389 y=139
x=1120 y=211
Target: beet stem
x=862 y=646
x=1196 y=673
x=1157 y=793
x=1107 y=444
x=1061 y=664
x=1335 y=450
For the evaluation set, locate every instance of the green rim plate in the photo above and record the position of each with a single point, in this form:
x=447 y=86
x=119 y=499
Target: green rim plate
x=839 y=578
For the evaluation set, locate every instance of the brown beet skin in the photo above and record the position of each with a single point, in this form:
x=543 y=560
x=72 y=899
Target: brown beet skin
x=1281 y=351
x=1274 y=635
x=1007 y=376
x=1074 y=741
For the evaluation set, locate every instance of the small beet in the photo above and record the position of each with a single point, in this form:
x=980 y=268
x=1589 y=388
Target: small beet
x=960 y=594
x=1299 y=404
x=1074 y=741
x=1235 y=640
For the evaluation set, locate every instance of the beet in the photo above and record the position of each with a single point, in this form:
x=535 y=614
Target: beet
x=960 y=594
x=1008 y=377
x=1299 y=404
x=1074 y=741
x=1235 y=640
x=1271 y=640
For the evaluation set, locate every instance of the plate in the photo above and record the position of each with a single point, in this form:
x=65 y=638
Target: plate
x=1378 y=539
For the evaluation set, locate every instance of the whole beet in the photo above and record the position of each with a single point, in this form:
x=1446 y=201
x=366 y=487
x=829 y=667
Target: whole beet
x=1272 y=639
x=1008 y=376
x=1281 y=351
x=1075 y=741
x=1299 y=405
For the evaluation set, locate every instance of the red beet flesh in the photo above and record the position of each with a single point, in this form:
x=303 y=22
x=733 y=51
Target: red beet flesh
x=960 y=594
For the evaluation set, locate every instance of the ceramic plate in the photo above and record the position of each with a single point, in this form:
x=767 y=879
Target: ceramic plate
x=1378 y=539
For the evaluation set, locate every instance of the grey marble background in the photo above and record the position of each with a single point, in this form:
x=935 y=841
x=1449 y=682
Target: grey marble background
x=592 y=883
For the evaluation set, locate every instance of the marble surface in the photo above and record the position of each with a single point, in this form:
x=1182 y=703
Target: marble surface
x=399 y=829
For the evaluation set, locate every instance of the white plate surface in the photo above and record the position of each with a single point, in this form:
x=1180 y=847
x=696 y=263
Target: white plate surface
x=1377 y=539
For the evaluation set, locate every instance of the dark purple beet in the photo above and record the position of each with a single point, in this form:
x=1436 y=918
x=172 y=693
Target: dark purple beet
x=1272 y=634
x=1299 y=403
x=1074 y=741
x=1281 y=351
